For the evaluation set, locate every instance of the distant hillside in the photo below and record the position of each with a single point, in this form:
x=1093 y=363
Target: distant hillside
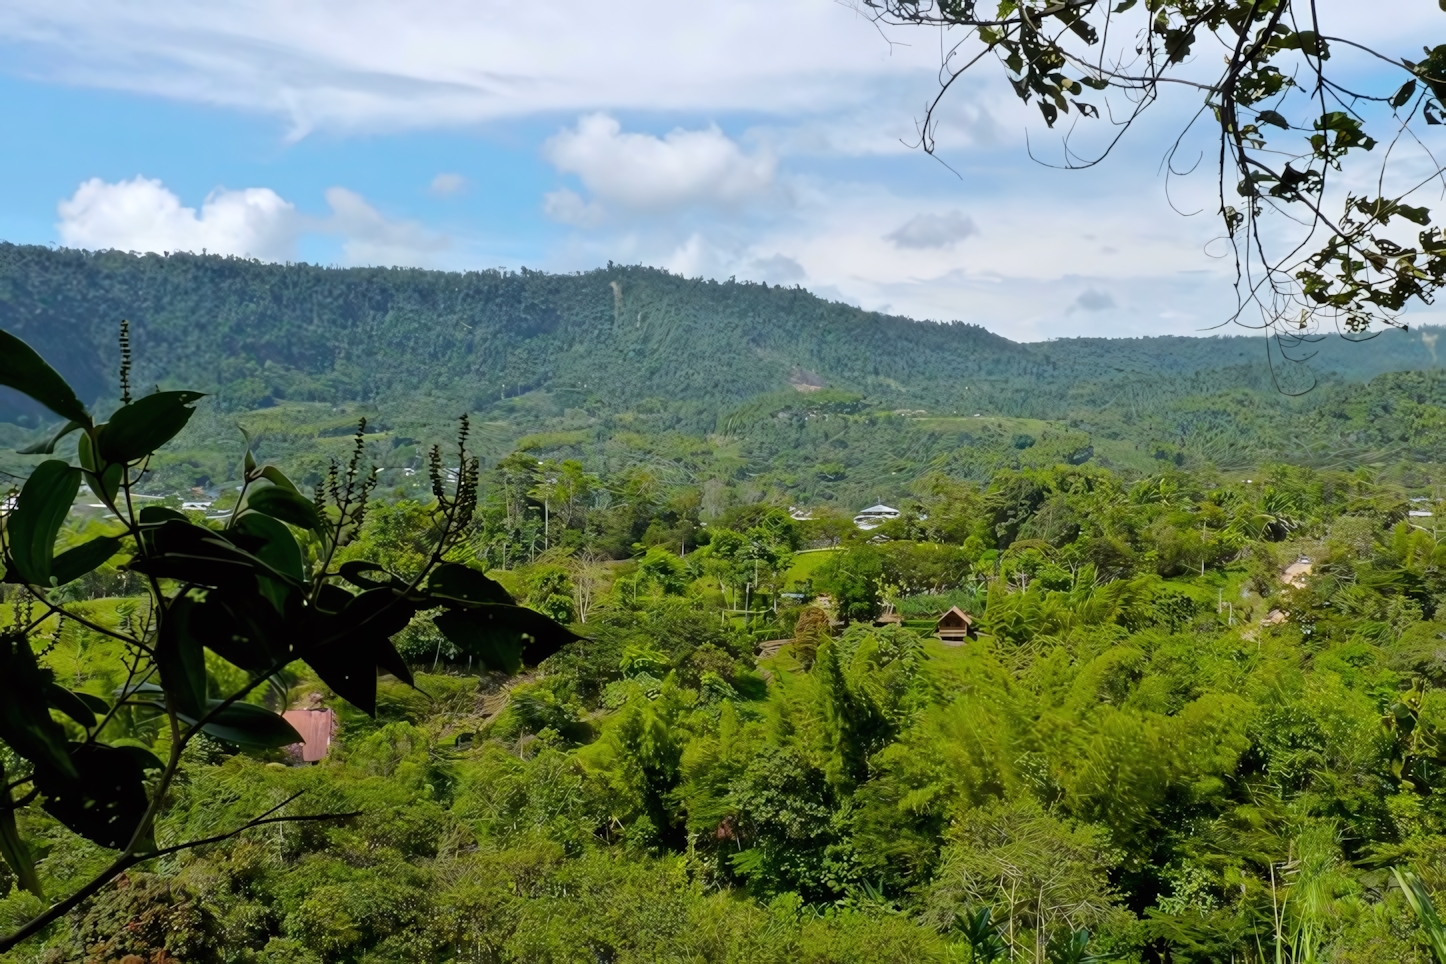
x=606 y=340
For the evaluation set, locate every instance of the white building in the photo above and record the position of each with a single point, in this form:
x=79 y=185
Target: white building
x=875 y=516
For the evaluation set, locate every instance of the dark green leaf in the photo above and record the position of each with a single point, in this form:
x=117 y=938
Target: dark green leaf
x=1407 y=91
x=275 y=545
x=389 y=660
x=1272 y=118
x=272 y=543
x=454 y=582
x=355 y=572
x=12 y=848
x=86 y=557
x=277 y=477
x=248 y=725
x=144 y=758
x=191 y=553
x=154 y=515
x=1124 y=5
x=333 y=598
x=1178 y=42
x=181 y=658
x=1417 y=215
x=243 y=628
x=95 y=704
x=25 y=720
x=85 y=451
x=288 y=505
x=371 y=619
x=140 y=689
x=138 y=429
x=378 y=612
x=43 y=504
x=504 y=637
x=1307 y=42
x=496 y=650
x=349 y=667
x=106 y=803
x=1084 y=30
x=68 y=703
x=26 y=372
x=107 y=484
x=47 y=446
x=351 y=645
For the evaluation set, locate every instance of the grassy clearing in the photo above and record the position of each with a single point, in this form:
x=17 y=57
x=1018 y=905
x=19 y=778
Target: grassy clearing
x=806 y=565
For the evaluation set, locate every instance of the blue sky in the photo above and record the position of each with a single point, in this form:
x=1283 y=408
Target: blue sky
x=754 y=139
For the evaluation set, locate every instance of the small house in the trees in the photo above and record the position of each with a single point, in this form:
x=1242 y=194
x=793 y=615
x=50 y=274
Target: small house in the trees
x=317 y=728
x=954 y=627
x=1297 y=573
x=875 y=516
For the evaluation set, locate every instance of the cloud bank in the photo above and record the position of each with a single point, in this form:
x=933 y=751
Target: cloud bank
x=933 y=230
x=142 y=214
x=399 y=64
x=369 y=238
x=447 y=183
x=642 y=172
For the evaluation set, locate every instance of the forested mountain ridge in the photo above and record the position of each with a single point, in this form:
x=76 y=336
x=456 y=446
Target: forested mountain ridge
x=256 y=332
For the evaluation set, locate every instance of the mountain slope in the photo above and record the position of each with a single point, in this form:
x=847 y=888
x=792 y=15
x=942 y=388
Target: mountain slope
x=607 y=339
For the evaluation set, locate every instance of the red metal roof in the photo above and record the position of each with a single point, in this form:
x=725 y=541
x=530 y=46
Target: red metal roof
x=316 y=728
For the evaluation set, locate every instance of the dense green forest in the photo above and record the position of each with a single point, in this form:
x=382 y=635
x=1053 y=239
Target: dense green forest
x=757 y=393
x=1200 y=718
x=1158 y=747
x=601 y=341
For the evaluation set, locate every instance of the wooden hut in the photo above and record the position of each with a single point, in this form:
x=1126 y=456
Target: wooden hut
x=954 y=627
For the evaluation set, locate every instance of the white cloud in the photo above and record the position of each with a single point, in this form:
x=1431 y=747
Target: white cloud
x=389 y=64
x=777 y=269
x=143 y=215
x=445 y=184
x=369 y=238
x=933 y=230
x=393 y=64
x=1046 y=262
x=566 y=206
x=644 y=172
x=697 y=258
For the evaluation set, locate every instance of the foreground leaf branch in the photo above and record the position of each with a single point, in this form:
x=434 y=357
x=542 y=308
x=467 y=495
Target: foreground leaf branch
x=1318 y=233
x=263 y=590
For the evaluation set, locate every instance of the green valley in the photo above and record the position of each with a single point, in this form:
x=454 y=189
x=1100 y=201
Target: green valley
x=612 y=674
